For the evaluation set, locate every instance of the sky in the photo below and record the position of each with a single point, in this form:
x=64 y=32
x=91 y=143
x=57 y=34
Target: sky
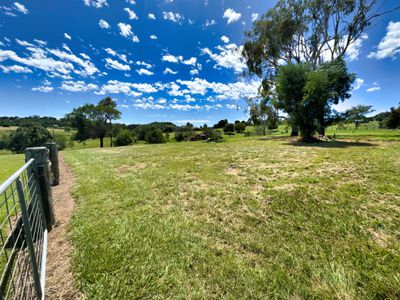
x=160 y=60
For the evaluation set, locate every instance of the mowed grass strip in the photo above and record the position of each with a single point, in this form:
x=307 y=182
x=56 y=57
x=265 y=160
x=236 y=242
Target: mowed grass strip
x=241 y=219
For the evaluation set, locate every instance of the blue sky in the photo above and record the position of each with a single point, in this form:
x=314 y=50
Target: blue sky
x=165 y=60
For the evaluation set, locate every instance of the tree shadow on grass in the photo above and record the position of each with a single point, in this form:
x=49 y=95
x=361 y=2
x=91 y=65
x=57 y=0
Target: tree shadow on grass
x=331 y=144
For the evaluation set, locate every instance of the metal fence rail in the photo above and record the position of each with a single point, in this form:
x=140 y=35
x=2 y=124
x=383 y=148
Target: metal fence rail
x=23 y=236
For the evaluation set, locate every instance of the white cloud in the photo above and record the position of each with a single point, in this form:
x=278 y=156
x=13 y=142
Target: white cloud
x=131 y=89
x=131 y=13
x=115 y=53
x=353 y=51
x=230 y=57
x=15 y=69
x=43 y=89
x=231 y=15
x=210 y=23
x=77 y=86
x=21 y=8
x=225 y=39
x=144 y=72
x=96 y=3
x=358 y=84
x=374 y=89
x=146 y=65
x=170 y=58
x=151 y=16
x=389 y=46
x=194 y=72
x=126 y=31
x=185 y=107
x=113 y=64
x=254 y=16
x=88 y=67
x=110 y=51
x=153 y=37
x=190 y=62
x=169 y=71
x=67 y=36
x=85 y=56
x=103 y=24
x=174 y=17
x=133 y=2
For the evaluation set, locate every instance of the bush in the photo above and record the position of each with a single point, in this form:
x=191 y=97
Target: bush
x=155 y=136
x=181 y=136
x=240 y=127
x=124 y=138
x=28 y=136
x=61 y=141
x=229 y=127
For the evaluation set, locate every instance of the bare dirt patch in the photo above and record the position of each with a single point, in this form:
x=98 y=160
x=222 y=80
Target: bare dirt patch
x=60 y=283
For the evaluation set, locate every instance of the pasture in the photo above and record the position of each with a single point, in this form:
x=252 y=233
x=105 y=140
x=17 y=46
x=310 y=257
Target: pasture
x=252 y=217
x=247 y=218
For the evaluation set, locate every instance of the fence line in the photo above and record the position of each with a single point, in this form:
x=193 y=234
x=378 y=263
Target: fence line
x=25 y=217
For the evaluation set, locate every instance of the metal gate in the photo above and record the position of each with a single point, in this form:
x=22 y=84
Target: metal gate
x=23 y=235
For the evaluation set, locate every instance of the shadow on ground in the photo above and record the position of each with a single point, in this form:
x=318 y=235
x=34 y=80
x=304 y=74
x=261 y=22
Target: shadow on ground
x=331 y=144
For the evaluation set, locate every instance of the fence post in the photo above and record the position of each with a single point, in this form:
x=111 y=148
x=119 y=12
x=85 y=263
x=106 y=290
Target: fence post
x=28 y=238
x=41 y=169
x=54 y=162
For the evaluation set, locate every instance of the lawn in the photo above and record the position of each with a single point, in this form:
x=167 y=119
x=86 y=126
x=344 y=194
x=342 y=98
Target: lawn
x=247 y=218
x=9 y=164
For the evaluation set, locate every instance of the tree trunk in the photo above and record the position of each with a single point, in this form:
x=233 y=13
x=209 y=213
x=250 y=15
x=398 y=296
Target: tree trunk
x=321 y=130
x=295 y=131
x=101 y=142
x=111 y=134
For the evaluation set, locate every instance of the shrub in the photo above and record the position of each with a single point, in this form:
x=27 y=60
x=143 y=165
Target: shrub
x=124 y=138
x=155 y=136
x=183 y=135
x=28 y=136
x=240 y=127
x=61 y=141
x=229 y=127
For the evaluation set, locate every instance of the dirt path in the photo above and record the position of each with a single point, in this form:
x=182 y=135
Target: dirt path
x=59 y=280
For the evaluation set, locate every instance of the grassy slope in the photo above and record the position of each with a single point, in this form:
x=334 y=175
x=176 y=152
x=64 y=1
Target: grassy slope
x=241 y=219
x=9 y=164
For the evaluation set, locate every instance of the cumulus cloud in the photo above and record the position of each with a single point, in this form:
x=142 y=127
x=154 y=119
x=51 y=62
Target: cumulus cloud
x=15 y=69
x=128 y=88
x=144 y=64
x=229 y=56
x=132 y=15
x=43 y=89
x=175 y=59
x=67 y=36
x=96 y=3
x=389 y=46
x=153 y=37
x=169 y=71
x=151 y=16
x=194 y=72
x=103 y=24
x=126 y=31
x=113 y=64
x=144 y=72
x=174 y=17
x=231 y=15
x=133 y=2
x=210 y=23
x=254 y=16
x=358 y=84
x=21 y=8
x=77 y=86
x=225 y=39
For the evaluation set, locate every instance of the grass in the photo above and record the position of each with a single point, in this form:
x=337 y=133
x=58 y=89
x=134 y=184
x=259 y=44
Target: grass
x=9 y=164
x=247 y=218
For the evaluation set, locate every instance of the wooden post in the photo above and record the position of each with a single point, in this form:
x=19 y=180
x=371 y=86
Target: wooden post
x=53 y=154
x=40 y=168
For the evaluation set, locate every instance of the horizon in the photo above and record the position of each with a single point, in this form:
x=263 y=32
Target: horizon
x=190 y=70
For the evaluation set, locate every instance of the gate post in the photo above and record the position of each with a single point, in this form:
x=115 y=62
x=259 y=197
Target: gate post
x=54 y=162
x=41 y=169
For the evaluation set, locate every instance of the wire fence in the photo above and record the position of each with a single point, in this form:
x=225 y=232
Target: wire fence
x=23 y=236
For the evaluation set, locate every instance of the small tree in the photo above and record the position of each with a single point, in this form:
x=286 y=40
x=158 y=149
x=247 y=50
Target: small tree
x=124 y=138
x=357 y=114
x=229 y=127
x=155 y=136
x=107 y=107
x=240 y=127
x=393 y=119
x=221 y=124
x=28 y=136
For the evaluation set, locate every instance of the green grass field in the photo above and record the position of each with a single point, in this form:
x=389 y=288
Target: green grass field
x=249 y=218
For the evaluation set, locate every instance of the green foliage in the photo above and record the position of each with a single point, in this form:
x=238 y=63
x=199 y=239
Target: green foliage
x=221 y=124
x=357 y=114
x=62 y=142
x=393 y=119
x=124 y=138
x=307 y=94
x=240 y=127
x=155 y=136
x=37 y=120
x=229 y=127
x=28 y=136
